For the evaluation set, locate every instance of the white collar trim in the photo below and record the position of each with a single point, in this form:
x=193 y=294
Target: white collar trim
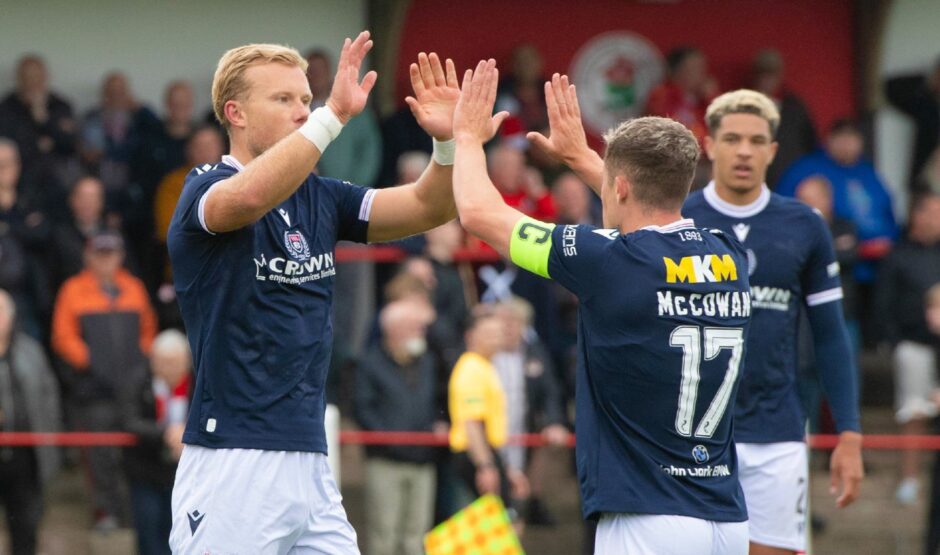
x=734 y=210
x=685 y=223
x=230 y=160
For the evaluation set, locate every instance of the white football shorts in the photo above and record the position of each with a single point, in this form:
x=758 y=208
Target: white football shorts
x=639 y=534
x=256 y=502
x=775 y=483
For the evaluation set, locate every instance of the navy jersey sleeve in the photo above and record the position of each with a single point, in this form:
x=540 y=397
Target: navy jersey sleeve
x=834 y=357
x=189 y=216
x=820 y=279
x=569 y=254
x=353 y=207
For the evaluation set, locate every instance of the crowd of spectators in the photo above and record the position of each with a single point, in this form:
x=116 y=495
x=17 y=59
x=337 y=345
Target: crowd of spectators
x=86 y=288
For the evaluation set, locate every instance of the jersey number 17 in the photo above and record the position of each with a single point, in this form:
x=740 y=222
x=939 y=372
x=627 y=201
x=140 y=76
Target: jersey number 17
x=690 y=339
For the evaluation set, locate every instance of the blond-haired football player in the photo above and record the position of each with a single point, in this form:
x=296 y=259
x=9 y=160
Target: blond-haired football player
x=252 y=246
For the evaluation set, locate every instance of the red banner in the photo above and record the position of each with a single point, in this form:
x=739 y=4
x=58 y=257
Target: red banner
x=815 y=38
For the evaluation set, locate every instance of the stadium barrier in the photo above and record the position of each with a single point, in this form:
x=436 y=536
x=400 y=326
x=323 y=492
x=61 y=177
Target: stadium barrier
x=361 y=437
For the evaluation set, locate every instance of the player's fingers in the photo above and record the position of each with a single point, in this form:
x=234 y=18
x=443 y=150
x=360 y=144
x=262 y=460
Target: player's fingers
x=476 y=84
x=369 y=81
x=416 y=83
x=539 y=140
x=451 y=73
x=361 y=53
x=493 y=82
x=566 y=93
x=573 y=104
x=437 y=71
x=559 y=93
x=343 y=55
x=498 y=120
x=467 y=76
x=412 y=103
x=424 y=64
x=550 y=104
x=356 y=53
x=360 y=42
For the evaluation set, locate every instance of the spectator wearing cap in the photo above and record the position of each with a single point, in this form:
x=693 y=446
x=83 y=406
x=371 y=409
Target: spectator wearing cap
x=796 y=135
x=29 y=402
x=154 y=406
x=102 y=327
x=87 y=217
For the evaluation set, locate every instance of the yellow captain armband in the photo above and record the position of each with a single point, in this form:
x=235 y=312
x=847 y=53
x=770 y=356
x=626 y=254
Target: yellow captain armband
x=531 y=245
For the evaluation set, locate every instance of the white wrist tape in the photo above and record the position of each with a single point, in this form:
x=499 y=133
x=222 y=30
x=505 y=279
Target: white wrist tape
x=443 y=152
x=321 y=128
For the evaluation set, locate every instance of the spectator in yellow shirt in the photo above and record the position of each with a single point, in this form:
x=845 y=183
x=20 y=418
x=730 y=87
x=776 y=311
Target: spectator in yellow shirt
x=478 y=413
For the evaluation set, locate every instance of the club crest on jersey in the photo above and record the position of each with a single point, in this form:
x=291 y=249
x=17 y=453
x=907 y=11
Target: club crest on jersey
x=709 y=268
x=296 y=244
x=700 y=454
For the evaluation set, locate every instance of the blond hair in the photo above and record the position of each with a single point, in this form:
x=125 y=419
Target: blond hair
x=657 y=155
x=742 y=101
x=229 y=81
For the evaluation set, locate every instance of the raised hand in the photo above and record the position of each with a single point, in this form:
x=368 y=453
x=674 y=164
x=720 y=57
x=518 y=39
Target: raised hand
x=436 y=94
x=473 y=118
x=349 y=95
x=566 y=138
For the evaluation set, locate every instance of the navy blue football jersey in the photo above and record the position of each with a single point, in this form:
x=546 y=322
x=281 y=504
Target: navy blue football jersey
x=256 y=304
x=663 y=321
x=792 y=262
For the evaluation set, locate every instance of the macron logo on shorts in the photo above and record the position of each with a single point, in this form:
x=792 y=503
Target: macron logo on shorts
x=195 y=519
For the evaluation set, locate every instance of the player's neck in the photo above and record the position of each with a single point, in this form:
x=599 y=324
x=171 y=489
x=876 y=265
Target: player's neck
x=241 y=153
x=737 y=197
x=635 y=219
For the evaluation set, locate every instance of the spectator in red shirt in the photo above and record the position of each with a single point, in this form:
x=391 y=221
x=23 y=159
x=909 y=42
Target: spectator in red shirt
x=522 y=187
x=688 y=91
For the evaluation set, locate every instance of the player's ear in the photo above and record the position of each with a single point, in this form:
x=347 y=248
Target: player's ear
x=233 y=113
x=774 y=146
x=622 y=187
x=710 y=146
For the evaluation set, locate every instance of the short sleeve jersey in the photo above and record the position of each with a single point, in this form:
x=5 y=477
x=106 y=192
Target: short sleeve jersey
x=256 y=303
x=792 y=263
x=663 y=318
x=475 y=393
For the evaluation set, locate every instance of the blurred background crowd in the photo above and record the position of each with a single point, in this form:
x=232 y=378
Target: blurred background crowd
x=91 y=338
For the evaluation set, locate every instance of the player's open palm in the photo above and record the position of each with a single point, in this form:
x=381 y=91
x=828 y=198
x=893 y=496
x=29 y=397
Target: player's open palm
x=436 y=92
x=349 y=95
x=566 y=132
x=473 y=117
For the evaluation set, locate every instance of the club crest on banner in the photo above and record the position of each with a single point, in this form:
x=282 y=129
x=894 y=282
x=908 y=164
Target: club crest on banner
x=614 y=73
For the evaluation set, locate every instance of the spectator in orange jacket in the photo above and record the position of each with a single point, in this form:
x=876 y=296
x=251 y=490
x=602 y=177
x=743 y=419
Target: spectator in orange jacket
x=102 y=328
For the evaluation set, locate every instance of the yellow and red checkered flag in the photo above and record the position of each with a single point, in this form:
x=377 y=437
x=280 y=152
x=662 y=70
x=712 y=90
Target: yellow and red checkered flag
x=483 y=528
